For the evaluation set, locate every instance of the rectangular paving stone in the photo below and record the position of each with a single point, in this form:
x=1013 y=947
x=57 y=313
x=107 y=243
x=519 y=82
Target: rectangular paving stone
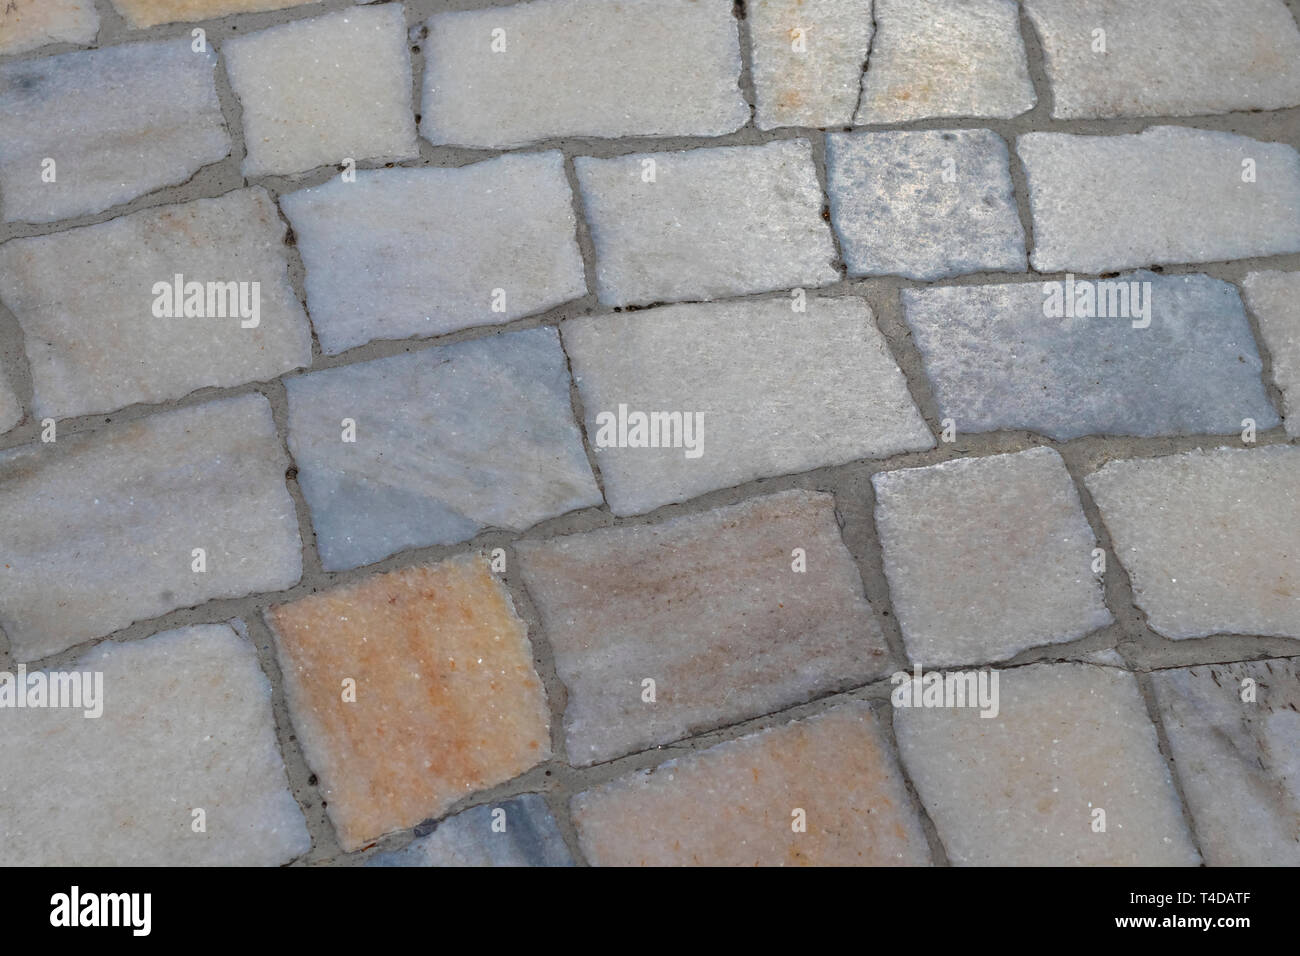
x=1234 y=730
x=404 y=252
x=448 y=441
x=11 y=409
x=735 y=804
x=924 y=203
x=711 y=609
x=1208 y=538
x=185 y=725
x=807 y=60
x=1246 y=51
x=97 y=530
x=444 y=702
x=320 y=91
x=1274 y=298
x=148 y=13
x=118 y=334
x=738 y=374
x=714 y=222
x=1024 y=788
x=118 y=123
x=1145 y=355
x=28 y=24
x=987 y=557
x=1165 y=195
x=940 y=58
x=518 y=832
x=510 y=75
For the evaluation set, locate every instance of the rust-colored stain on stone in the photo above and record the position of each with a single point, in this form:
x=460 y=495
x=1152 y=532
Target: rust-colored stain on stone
x=147 y=13
x=446 y=698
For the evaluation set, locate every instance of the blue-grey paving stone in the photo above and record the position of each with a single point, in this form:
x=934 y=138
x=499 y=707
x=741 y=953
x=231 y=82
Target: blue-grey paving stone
x=530 y=838
x=995 y=360
x=925 y=203
x=449 y=441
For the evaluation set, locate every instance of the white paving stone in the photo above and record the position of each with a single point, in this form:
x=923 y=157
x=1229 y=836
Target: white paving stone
x=28 y=24
x=1274 y=298
x=405 y=252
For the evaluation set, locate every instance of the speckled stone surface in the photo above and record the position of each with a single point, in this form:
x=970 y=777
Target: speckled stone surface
x=11 y=408
x=29 y=24
x=148 y=13
x=1274 y=299
x=518 y=832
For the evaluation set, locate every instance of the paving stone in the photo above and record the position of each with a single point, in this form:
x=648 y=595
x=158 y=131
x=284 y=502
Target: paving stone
x=1209 y=538
x=711 y=609
x=1023 y=788
x=11 y=409
x=734 y=804
x=112 y=338
x=185 y=724
x=443 y=676
x=1165 y=195
x=477 y=838
x=28 y=24
x=1274 y=298
x=714 y=222
x=405 y=252
x=510 y=75
x=936 y=58
x=897 y=213
x=118 y=123
x=448 y=441
x=1245 y=53
x=320 y=91
x=1237 y=759
x=744 y=367
x=986 y=557
x=1157 y=355
x=97 y=530
x=148 y=13
x=807 y=60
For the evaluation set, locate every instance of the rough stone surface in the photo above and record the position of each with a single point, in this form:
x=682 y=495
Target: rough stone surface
x=1160 y=355
x=986 y=557
x=98 y=530
x=1020 y=789
x=581 y=68
x=28 y=24
x=448 y=441
x=11 y=409
x=530 y=838
x=1165 y=195
x=97 y=344
x=148 y=13
x=897 y=213
x=443 y=677
x=1274 y=298
x=186 y=724
x=118 y=123
x=1211 y=539
x=733 y=804
x=404 y=252
x=714 y=222
x=704 y=359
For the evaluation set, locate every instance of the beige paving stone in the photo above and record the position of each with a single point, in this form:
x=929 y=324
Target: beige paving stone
x=1023 y=788
x=446 y=698
x=708 y=607
x=148 y=13
x=1274 y=297
x=734 y=804
x=28 y=24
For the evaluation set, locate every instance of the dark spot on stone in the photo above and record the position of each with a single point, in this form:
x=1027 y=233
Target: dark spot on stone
x=291 y=473
x=738 y=9
x=389 y=165
x=826 y=213
x=417 y=117
x=290 y=237
x=312 y=780
x=948 y=136
x=1158 y=269
x=415 y=49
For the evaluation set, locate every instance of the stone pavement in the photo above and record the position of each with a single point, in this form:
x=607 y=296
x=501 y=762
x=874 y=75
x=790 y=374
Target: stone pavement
x=563 y=432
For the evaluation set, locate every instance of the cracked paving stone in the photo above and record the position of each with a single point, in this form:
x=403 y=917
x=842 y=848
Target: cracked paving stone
x=1167 y=57
x=986 y=557
x=1211 y=539
x=1166 y=195
x=1274 y=298
x=714 y=222
x=442 y=673
x=100 y=343
x=940 y=58
x=735 y=804
x=186 y=724
x=11 y=409
x=711 y=609
x=1239 y=760
x=98 y=529
x=475 y=838
x=118 y=123
x=510 y=75
x=742 y=366
x=448 y=441
x=924 y=203
x=1153 y=355
x=29 y=24
x=403 y=252
x=1023 y=788
x=321 y=91
x=148 y=13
